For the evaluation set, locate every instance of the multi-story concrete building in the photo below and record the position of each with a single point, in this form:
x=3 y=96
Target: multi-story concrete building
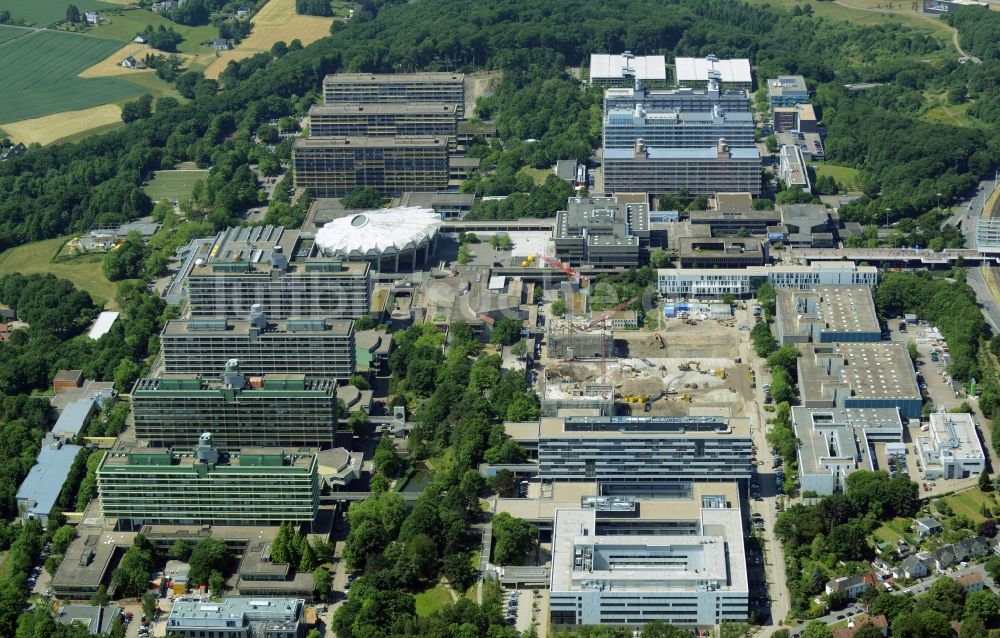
x=382 y=88
x=566 y=341
x=447 y=205
x=694 y=579
x=714 y=283
x=677 y=129
x=753 y=222
x=237 y=618
x=858 y=375
x=255 y=486
x=721 y=252
x=283 y=271
x=787 y=90
x=827 y=314
x=988 y=233
x=321 y=347
x=792 y=168
x=556 y=397
x=625 y=69
x=638 y=455
x=601 y=231
x=836 y=441
x=408 y=119
x=951 y=449
x=334 y=166
x=700 y=71
x=801 y=117
x=643 y=169
x=270 y=411
x=684 y=99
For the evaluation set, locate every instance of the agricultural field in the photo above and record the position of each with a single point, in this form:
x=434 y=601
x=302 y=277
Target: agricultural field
x=175 y=184
x=85 y=272
x=60 y=126
x=869 y=12
x=277 y=21
x=44 y=12
x=39 y=76
x=9 y=33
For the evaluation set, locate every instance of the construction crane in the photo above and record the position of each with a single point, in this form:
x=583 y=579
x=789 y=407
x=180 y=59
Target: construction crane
x=566 y=268
x=600 y=319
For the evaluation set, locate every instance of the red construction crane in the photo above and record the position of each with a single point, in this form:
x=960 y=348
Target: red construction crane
x=600 y=319
x=566 y=268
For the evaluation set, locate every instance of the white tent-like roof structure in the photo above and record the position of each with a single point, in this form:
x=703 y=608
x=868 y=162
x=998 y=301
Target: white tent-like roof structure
x=372 y=233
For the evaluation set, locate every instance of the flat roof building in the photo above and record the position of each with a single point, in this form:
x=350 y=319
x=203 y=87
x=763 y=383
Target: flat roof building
x=282 y=270
x=557 y=397
x=639 y=455
x=696 y=579
x=237 y=618
x=335 y=166
x=206 y=485
x=273 y=410
x=792 y=168
x=668 y=170
x=625 y=69
x=835 y=442
x=951 y=449
x=753 y=222
x=321 y=347
x=698 y=71
x=40 y=489
x=827 y=314
x=686 y=99
x=382 y=88
x=97 y=619
x=384 y=120
x=859 y=375
x=446 y=204
x=601 y=231
x=787 y=90
x=677 y=129
x=714 y=283
x=801 y=117
x=722 y=252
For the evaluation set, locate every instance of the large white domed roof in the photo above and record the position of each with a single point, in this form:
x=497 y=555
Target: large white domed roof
x=387 y=230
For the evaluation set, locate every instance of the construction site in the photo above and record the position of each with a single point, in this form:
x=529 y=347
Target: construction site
x=662 y=368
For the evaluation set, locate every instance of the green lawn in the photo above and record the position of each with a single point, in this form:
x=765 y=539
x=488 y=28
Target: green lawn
x=39 y=75
x=124 y=25
x=843 y=174
x=968 y=503
x=43 y=12
x=432 y=600
x=3 y=565
x=84 y=272
x=175 y=184
x=895 y=530
x=537 y=174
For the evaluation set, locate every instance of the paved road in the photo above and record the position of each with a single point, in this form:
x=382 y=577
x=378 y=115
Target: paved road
x=916 y=589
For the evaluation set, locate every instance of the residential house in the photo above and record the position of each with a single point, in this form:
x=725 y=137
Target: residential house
x=220 y=44
x=242 y=12
x=975 y=547
x=13 y=151
x=927 y=527
x=995 y=545
x=971 y=582
x=140 y=39
x=912 y=567
x=852 y=586
x=943 y=558
x=92 y=17
x=855 y=624
x=129 y=62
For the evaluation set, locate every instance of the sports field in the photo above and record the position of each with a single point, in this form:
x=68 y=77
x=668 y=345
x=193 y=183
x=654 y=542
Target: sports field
x=277 y=21
x=84 y=272
x=43 y=12
x=39 y=75
x=176 y=184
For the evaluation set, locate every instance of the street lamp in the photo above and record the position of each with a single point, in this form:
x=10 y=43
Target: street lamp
x=887 y=211
x=939 y=200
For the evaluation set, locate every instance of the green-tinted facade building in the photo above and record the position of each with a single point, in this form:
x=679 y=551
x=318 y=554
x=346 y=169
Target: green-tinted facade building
x=208 y=486
x=288 y=410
